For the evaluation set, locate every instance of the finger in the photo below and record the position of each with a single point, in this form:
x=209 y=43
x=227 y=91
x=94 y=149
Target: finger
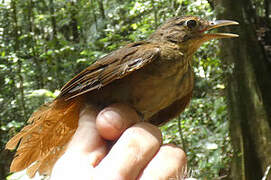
x=86 y=140
x=131 y=153
x=84 y=151
x=168 y=163
x=113 y=120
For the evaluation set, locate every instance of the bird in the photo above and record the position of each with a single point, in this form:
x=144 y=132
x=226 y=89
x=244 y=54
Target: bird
x=153 y=76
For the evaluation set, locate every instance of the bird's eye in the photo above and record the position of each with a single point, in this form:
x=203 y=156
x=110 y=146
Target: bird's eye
x=191 y=24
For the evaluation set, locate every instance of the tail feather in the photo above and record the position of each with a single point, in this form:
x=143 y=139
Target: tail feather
x=45 y=138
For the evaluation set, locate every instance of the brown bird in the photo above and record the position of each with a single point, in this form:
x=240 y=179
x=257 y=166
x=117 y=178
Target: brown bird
x=154 y=77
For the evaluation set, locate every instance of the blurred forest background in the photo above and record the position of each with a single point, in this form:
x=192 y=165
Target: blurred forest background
x=226 y=131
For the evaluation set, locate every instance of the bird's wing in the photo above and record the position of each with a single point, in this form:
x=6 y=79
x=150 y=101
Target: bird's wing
x=111 y=67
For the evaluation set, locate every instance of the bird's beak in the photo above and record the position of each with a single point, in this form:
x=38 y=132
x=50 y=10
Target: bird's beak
x=219 y=23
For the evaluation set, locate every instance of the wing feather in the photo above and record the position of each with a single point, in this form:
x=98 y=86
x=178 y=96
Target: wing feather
x=111 y=67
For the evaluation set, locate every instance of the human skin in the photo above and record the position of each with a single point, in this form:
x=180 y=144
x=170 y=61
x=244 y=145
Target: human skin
x=113 y=144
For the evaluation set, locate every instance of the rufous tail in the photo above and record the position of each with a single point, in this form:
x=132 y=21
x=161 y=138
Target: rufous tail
x=45 y=137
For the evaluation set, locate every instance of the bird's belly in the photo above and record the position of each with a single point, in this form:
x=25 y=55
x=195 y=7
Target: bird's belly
x=147 y=90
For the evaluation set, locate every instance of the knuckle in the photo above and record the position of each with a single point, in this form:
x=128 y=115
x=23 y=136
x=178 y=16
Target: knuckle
x=143 y=136
x=146 y=131
x=175 y=152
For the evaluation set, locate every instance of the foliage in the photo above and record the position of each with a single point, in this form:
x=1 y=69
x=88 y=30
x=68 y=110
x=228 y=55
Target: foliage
x=44 y=43
x=202 y=131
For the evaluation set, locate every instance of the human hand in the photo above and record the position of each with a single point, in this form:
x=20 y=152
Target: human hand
x=136 y=154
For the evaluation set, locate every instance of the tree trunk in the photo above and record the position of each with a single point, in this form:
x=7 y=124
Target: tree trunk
x=53 y=21
x=74 y=24
x=101 y=8
x=248 y=91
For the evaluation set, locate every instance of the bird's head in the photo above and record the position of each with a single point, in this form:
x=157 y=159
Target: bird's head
x=190 y=32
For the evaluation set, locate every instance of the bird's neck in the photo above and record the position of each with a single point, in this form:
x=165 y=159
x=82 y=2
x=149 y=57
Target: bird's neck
x=187 y=49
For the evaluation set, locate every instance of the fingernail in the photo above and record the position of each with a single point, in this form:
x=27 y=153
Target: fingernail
x=113 y=119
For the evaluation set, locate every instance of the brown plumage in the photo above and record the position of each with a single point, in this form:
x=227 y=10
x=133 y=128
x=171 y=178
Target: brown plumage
x=153 y=76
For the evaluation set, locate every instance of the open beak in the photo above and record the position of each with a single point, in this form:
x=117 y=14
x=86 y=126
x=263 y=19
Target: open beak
x=216 y=24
